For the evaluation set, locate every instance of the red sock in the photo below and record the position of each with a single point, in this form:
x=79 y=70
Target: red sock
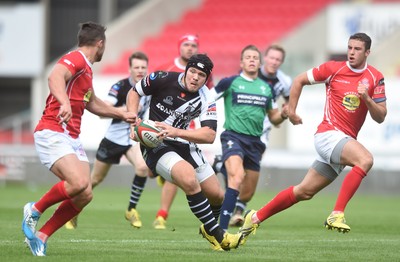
x=349 y=187
x=162 y=213
x=281 y=201
x=55 y=195
x=65 y=212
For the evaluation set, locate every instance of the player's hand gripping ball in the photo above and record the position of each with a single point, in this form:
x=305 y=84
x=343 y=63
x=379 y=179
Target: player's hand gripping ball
x=146 y=133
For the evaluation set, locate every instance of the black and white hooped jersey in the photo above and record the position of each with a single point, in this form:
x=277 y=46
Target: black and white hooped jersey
x=119 y=130
x=172 y=104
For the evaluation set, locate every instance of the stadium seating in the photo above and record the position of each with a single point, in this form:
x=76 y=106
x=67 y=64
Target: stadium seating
x=224 y=29
x=9 y=137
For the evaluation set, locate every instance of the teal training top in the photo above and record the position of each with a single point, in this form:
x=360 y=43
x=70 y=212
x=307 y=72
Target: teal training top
x=246 y=103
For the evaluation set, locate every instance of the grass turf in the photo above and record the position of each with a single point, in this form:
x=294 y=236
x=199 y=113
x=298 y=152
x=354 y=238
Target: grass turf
x=297 y=234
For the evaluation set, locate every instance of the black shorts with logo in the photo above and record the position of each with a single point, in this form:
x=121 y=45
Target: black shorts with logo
x=249 y=148
x=110 y=152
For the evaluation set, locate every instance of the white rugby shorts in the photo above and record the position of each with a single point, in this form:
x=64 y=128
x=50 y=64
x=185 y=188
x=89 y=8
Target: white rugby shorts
x=52 y=146
x=325 y=143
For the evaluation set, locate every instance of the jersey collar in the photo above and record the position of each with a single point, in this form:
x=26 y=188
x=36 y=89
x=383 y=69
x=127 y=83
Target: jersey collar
x=356 y=70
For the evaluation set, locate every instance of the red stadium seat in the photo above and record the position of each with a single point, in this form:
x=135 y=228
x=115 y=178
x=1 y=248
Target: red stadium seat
x=225 y=28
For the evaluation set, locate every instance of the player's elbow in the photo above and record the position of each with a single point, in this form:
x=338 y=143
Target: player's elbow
x=380 y=118
x=209 y=138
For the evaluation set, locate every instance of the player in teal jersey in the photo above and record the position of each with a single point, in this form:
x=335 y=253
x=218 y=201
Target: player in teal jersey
x=247 y=100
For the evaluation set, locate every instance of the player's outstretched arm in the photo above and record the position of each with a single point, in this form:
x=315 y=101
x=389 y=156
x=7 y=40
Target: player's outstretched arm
x=295 y=91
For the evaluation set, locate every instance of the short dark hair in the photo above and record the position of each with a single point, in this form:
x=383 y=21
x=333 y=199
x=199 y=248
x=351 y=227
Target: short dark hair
x=363 y=37
x=249 y=47
x=138 y=55
x=90 y=33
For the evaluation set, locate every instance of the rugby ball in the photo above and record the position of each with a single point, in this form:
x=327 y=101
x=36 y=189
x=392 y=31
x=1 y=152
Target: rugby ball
x=146 y=133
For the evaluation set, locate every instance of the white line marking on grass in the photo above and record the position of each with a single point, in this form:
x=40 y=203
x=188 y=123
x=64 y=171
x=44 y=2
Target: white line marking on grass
x=6 y=242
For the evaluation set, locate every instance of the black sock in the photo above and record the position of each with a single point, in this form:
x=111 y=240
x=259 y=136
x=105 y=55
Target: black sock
x=136 y=190
x=201 y=208
x=216 y=211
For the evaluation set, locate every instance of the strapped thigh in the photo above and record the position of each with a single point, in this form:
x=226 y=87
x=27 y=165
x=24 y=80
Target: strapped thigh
x=325 y=170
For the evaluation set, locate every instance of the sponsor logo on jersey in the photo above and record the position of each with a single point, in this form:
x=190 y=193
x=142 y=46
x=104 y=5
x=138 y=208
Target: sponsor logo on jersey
x=153 y=76
x=114 y=90
x=168 y=100
x=162 y=74
x=250 y=99
x=182 y=96
x=341 y=81
x=212 y=110
x=172 y=112
x=86 y=97
x=116 y=87
x=351 y=102
x=212 y=107
x=365 y=82
x=379 y=90
x=159 y=74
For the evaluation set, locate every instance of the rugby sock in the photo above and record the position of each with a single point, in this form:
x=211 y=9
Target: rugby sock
x=201 y=208
x=227 y=207
x=55 y=195
x=281 y=201
x=240 y=206
x=136 y=190
x=162 y=213
x=349 y=187
x=65 y=212
x=216 y=211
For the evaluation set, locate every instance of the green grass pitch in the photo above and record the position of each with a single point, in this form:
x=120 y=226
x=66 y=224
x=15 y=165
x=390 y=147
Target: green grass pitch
x=296 y=234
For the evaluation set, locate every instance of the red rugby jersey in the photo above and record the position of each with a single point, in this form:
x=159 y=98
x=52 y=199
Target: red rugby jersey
x=79 y=89
x=344 y=109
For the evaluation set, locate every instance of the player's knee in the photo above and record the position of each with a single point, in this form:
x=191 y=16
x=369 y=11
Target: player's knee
x=88 y=196
x=189 y=184
x=142 y=171
x=246 y=197
x=301 y=194
x=83 y=198
x=220 y=197
x=96 y=180
x=235 y=180
x=78 y=186
x=367 y=162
